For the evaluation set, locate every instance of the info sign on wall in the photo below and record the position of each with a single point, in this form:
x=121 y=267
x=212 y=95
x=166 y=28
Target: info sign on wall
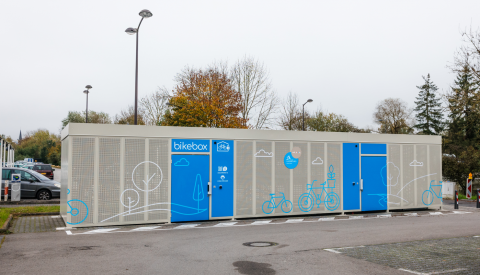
x=222 y=178
x=291 y=158
x=191 y=145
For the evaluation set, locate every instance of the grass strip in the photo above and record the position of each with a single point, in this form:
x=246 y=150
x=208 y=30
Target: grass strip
x=5 y=212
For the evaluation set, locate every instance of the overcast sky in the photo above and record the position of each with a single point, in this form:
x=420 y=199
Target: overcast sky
x=345 y=55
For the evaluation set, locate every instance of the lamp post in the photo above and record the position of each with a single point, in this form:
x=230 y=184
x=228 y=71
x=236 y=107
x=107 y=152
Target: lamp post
x=87 y=91
x=303 y=114
x=144 y=14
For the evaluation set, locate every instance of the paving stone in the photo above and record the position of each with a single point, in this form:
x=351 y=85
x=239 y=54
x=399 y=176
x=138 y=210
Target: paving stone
x=31 y=224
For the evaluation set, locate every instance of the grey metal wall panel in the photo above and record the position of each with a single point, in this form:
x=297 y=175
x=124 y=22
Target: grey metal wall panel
x=263 y=175
x=318 y=169
x=134 y=176
x=64 y=179
x=282 y=173
x=334 y=165
x=300 y=176
x=393 y=180
x=435 y=171
x=408 y=172
x=244 y=162
x=109 y=178
x=422 y=172
x=82 y=187
x=159 y=178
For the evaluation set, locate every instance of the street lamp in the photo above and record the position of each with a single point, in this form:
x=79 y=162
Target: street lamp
x=131 y=31
x=87 y=91
x=303 y=114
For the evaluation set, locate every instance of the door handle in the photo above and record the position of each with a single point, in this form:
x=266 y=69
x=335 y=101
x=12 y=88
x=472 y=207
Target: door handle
x=361 y=185
x=353 y=183
x=209 y=188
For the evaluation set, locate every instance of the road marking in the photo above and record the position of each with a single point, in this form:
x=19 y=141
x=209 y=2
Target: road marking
x=260 y=222
x=225 y=224
x=476 y=236
x=461 y=212
x=413 y=272
x=294 y=220
x=384 y=216
x=356 y=217
x=436 y=213
x=411 y=214
x=326 y=219
x=334 y=251
x=146 y=228
x=103 y=230
x=55 y=217
x=448 y=271
x=186 y=226
x=69 y=232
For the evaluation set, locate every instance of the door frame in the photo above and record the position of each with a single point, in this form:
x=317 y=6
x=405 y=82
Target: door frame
x=360 y=170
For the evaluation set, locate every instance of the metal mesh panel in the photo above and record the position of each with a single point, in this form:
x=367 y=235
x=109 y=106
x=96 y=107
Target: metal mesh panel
x=436 y=169
x=263 y=175
x=334 y=159
x=422 y=172
x=158 y=172
x=134 y=176
x=300 y=175
x=282 y=173
x=244 y=179
x=64 y=181
x=82 y=187
x=318 y=168
x=393 y=180
x=408 y=172
x=109 y=179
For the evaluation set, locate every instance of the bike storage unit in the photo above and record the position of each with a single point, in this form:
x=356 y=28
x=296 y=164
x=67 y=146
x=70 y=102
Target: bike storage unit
x=125 y=174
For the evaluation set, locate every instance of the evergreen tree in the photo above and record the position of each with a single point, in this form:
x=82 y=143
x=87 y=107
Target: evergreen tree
x=429 y=114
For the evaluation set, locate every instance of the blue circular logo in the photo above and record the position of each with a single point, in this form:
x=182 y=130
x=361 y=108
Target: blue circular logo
x=290 y=161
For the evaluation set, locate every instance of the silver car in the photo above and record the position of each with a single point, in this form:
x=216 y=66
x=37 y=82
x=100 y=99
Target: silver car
x=33 y=185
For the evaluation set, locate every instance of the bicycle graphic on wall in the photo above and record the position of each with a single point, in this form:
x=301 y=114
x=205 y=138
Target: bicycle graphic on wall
x=427 y=196
x=332 y=200
x=285 y=205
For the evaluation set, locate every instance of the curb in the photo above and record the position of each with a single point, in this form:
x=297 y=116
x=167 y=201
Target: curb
x=37 y=214
x=28 y=202
x=6 y=225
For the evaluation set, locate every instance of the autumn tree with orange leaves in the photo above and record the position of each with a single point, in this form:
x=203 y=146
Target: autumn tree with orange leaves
x=204 y=98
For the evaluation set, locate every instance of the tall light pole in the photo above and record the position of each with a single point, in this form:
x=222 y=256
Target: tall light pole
x=303 y=114
x=144 y=14
x=87 y=91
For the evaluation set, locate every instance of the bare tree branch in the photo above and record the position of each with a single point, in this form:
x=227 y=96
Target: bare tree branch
x=154 y=106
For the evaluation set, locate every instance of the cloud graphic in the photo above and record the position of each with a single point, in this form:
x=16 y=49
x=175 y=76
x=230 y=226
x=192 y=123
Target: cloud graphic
x=416 y=163
x=317 y=161
x=263 y=154
x=182 y=162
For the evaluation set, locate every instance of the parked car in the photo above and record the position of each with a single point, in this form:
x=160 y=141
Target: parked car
x=44 y=169
x=33 y=184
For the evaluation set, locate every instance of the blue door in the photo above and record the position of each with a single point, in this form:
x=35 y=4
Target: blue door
x=190 y=176
x=222 y=178
x=351 y=174
x=374 y=174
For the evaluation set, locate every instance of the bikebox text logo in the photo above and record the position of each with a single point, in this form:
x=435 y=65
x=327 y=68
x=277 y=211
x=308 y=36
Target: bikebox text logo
x=186 y=145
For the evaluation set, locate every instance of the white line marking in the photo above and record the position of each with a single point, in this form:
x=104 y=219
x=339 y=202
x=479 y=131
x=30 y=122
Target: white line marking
x=68 y=232
x=461 y=212
x=356 y=217
x=225 y=224
x=260 y=222
x=60 y=228
x=146 y=228
x=185 y=226
x=103 y=230
x=294 y=220
x=334 y=251
x=476 y=236
x=411 y=214
x=384 y=216
x=436 y=213
x=54 y=217
x=326 y=219
x=448 y=271
x=414 y=272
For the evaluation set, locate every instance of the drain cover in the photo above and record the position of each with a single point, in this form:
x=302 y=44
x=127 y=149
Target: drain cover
x=260 y=244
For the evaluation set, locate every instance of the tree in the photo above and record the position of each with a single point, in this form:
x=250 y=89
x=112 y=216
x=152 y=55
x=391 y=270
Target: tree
x=291 y=115
x=394 y=116
x=429 y=113
x=93 y=117
x=155 y=106
x=40 y=144
x=259 y=101
x=468 y=55
x=127 y=116
x=331 y=122
x=204 y=98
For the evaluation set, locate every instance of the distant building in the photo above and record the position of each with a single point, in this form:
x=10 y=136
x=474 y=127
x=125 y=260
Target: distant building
x=20 y=136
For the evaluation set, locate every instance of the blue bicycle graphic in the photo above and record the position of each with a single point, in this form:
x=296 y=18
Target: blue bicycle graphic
x=427 y=196
x=307 y=200
x=284 y=204
x=75 y=211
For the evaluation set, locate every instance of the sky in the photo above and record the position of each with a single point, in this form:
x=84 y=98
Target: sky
x=345 y=55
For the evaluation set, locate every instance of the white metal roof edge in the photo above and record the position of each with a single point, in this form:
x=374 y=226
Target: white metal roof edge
x=116 y=130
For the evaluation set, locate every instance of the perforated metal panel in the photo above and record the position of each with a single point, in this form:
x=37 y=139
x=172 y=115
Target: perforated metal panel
x=159 y=178
x=82 y=187
x=436 y=171
x=244 y=181
x=422 y=172
x=394 y=179
x=300 y=176
x=134 y=176
x=263 y=175
x=282 y=173
x=64 y=181
x=408 y=189
x=334 y=159
x=109 y=179
x=317 y=168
